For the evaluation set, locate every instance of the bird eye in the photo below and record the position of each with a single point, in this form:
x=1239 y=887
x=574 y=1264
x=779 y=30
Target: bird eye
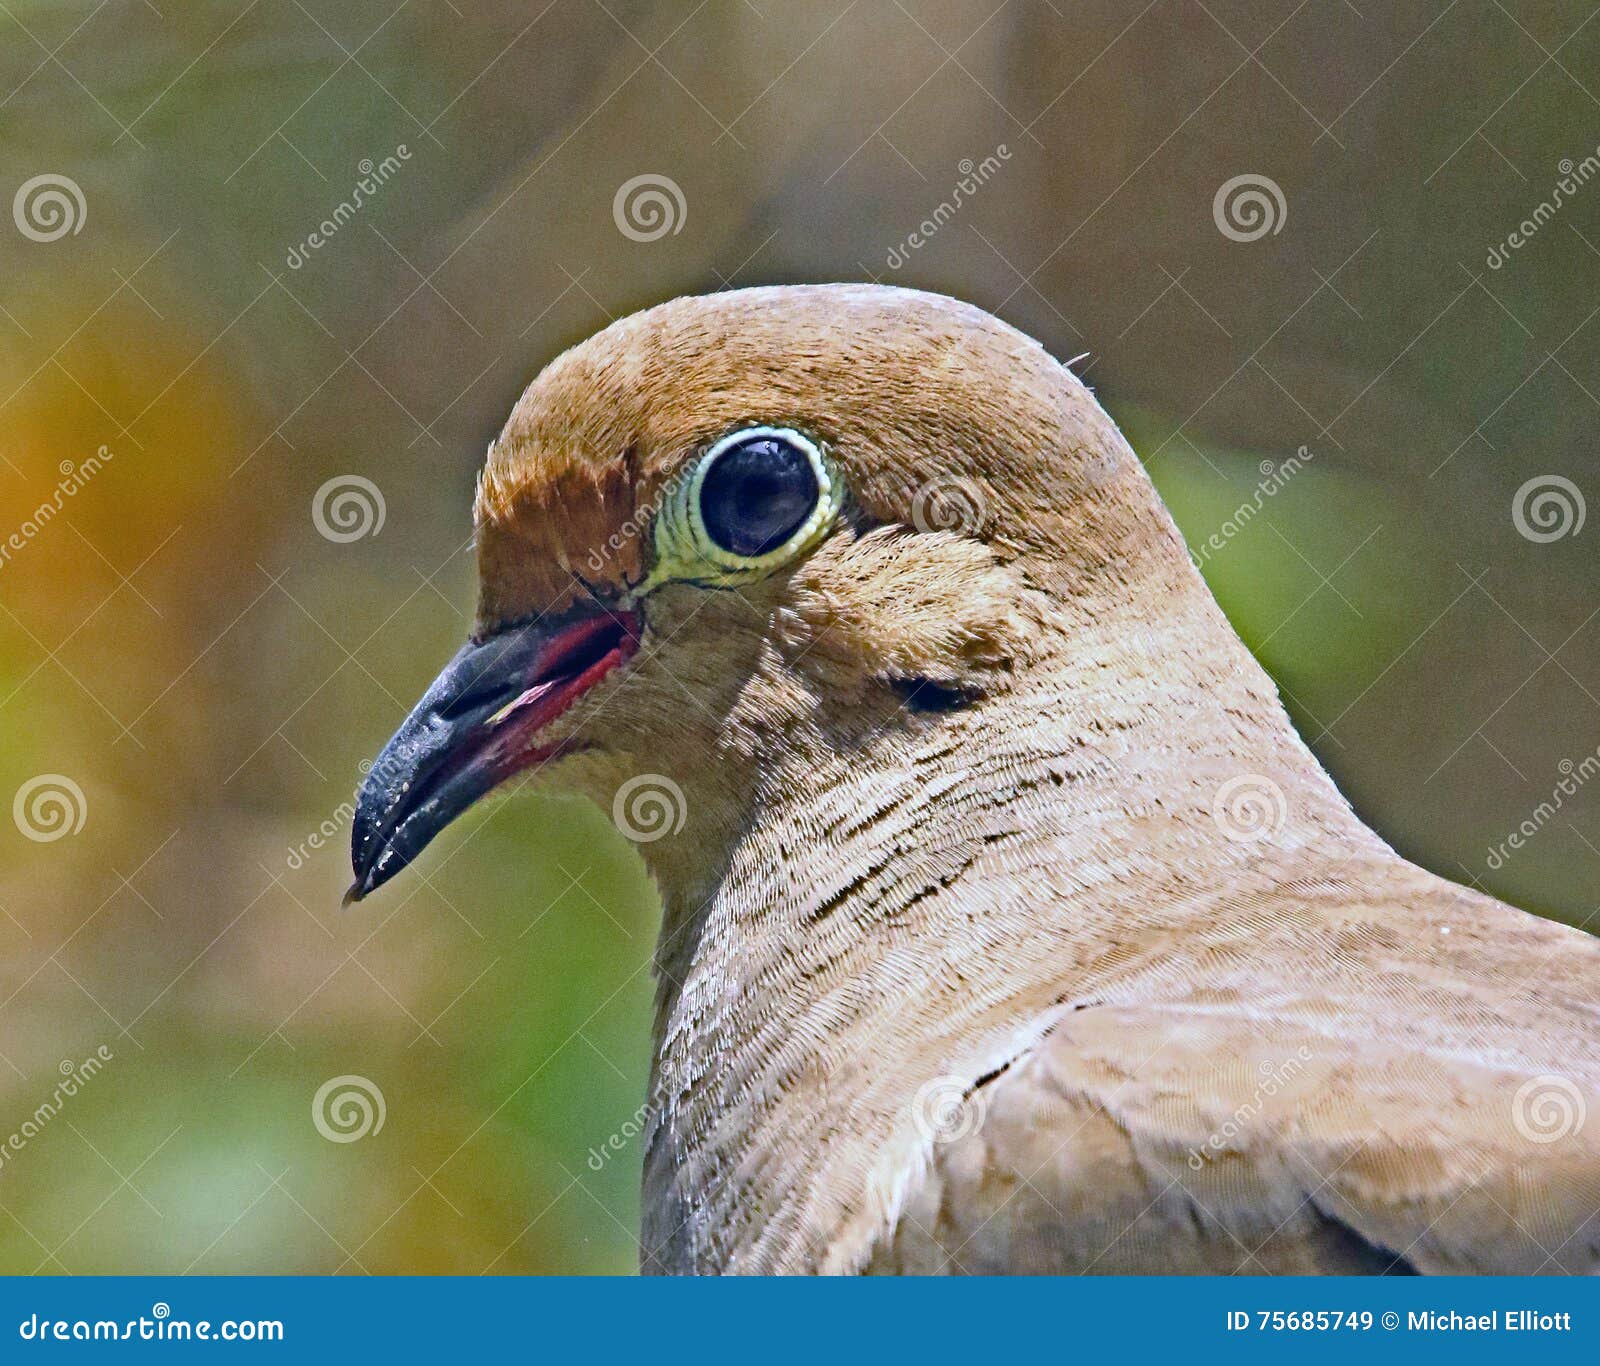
x=756 y=499
x=756 y=491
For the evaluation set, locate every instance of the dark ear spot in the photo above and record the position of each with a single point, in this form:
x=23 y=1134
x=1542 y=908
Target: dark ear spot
x=924 y=695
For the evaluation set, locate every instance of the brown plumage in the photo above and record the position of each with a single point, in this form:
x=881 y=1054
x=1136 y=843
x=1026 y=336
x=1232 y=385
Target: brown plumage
x=1010 y=927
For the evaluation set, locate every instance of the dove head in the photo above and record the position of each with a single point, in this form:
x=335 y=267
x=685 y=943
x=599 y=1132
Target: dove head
x=768 y=539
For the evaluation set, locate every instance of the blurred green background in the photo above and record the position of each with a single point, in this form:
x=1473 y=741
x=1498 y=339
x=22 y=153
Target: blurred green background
x=207 y=670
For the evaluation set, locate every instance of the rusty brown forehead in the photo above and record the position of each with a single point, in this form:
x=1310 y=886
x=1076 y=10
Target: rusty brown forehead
x=559 y=503
x=566 y=499
x=545 y=542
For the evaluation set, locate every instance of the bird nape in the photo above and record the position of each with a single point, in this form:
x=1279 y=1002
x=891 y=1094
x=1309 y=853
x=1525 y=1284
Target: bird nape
x=1010 y=927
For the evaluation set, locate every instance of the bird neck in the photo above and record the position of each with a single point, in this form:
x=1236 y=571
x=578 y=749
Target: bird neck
x=907 y=901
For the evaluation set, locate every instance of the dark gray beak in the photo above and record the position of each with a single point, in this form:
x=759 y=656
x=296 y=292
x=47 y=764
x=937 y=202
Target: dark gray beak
x=476 y=726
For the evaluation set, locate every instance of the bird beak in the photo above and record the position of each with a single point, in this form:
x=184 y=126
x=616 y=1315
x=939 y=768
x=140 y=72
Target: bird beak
x=475 y=727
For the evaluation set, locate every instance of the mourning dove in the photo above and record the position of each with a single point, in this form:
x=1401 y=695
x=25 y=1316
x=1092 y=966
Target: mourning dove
x=1009 y=926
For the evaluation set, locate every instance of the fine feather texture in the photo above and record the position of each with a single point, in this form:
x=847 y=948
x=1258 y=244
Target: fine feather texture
x=1089 y=968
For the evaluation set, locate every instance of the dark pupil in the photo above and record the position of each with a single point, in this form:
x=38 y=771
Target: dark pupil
x=757 y=494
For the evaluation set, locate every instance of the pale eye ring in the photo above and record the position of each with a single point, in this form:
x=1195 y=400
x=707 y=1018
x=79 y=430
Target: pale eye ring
x=754 y=500
x=756 y=488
